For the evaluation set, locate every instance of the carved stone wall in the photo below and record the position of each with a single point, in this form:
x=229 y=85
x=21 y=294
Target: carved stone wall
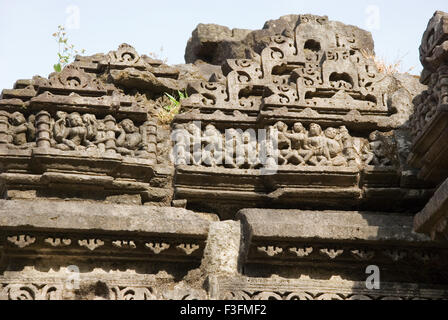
x=294 y=166
x=343 y=127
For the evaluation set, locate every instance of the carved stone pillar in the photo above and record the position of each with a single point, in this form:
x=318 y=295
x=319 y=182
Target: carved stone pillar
x=111 y=124
x=151 y=138
x=43 y=129
x=4 y=116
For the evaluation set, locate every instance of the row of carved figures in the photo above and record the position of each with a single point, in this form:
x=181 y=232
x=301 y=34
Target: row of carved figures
x=296 y=146
x=330 y=147
x=73 y=131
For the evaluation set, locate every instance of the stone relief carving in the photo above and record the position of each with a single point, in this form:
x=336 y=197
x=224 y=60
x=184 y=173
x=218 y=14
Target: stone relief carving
x=297 y=146
x=270 y=295
x=303 y=86
x=31 y=292
x=312 y=67
x=427 y=102
x=79 y=132
x=70 y=79
x=21 y=131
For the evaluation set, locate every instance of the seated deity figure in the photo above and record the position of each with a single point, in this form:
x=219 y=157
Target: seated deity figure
x=70 y=132
x=335 y=147
x=299 y=145
x=22 y=132
x=129 y=141
x=317 y=143
x=212 y=141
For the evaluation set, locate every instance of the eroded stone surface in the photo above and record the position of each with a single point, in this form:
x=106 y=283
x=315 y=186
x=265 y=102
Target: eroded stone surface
x=76 y=215
x=336 y=225
x=432 y=219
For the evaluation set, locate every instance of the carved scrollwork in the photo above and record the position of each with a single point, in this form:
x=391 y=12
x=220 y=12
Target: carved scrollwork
x=364 y=255
x=22 y=240
x=331 y=253
x=58 y=242
x=124 y=244
x=91 y=244
x=132 y=293
x=302 y=295
x=157 y=247
x=70 y=79
x=188 y=248
x=31 y=292
x=301 y=252
x=125 y=56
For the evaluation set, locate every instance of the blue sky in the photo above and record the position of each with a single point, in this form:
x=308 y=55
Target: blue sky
x=27 y=47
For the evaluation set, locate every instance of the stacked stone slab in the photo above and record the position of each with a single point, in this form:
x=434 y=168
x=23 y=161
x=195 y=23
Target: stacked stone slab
x=430 y=123
x=94 y=182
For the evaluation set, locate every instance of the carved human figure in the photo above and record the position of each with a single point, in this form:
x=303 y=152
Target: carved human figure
x=91 y=125
x=100 y=138
x=212 y=154
x=129 y=140
x=299 y=145
x=335 y=146
x=22 y=132
x=70 y=132
x=349 y=150
x=317 y=143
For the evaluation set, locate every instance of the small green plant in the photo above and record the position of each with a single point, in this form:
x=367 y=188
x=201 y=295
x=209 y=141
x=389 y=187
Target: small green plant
x=168 y=112
x=66 y=51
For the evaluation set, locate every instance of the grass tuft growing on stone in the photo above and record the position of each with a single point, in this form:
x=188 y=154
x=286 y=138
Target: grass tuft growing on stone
x=168 y=112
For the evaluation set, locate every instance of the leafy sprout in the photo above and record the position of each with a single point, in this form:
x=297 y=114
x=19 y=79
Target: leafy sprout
x=66 y=51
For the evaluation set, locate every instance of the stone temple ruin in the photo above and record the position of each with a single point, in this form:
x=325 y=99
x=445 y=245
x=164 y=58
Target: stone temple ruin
x=102 y=201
